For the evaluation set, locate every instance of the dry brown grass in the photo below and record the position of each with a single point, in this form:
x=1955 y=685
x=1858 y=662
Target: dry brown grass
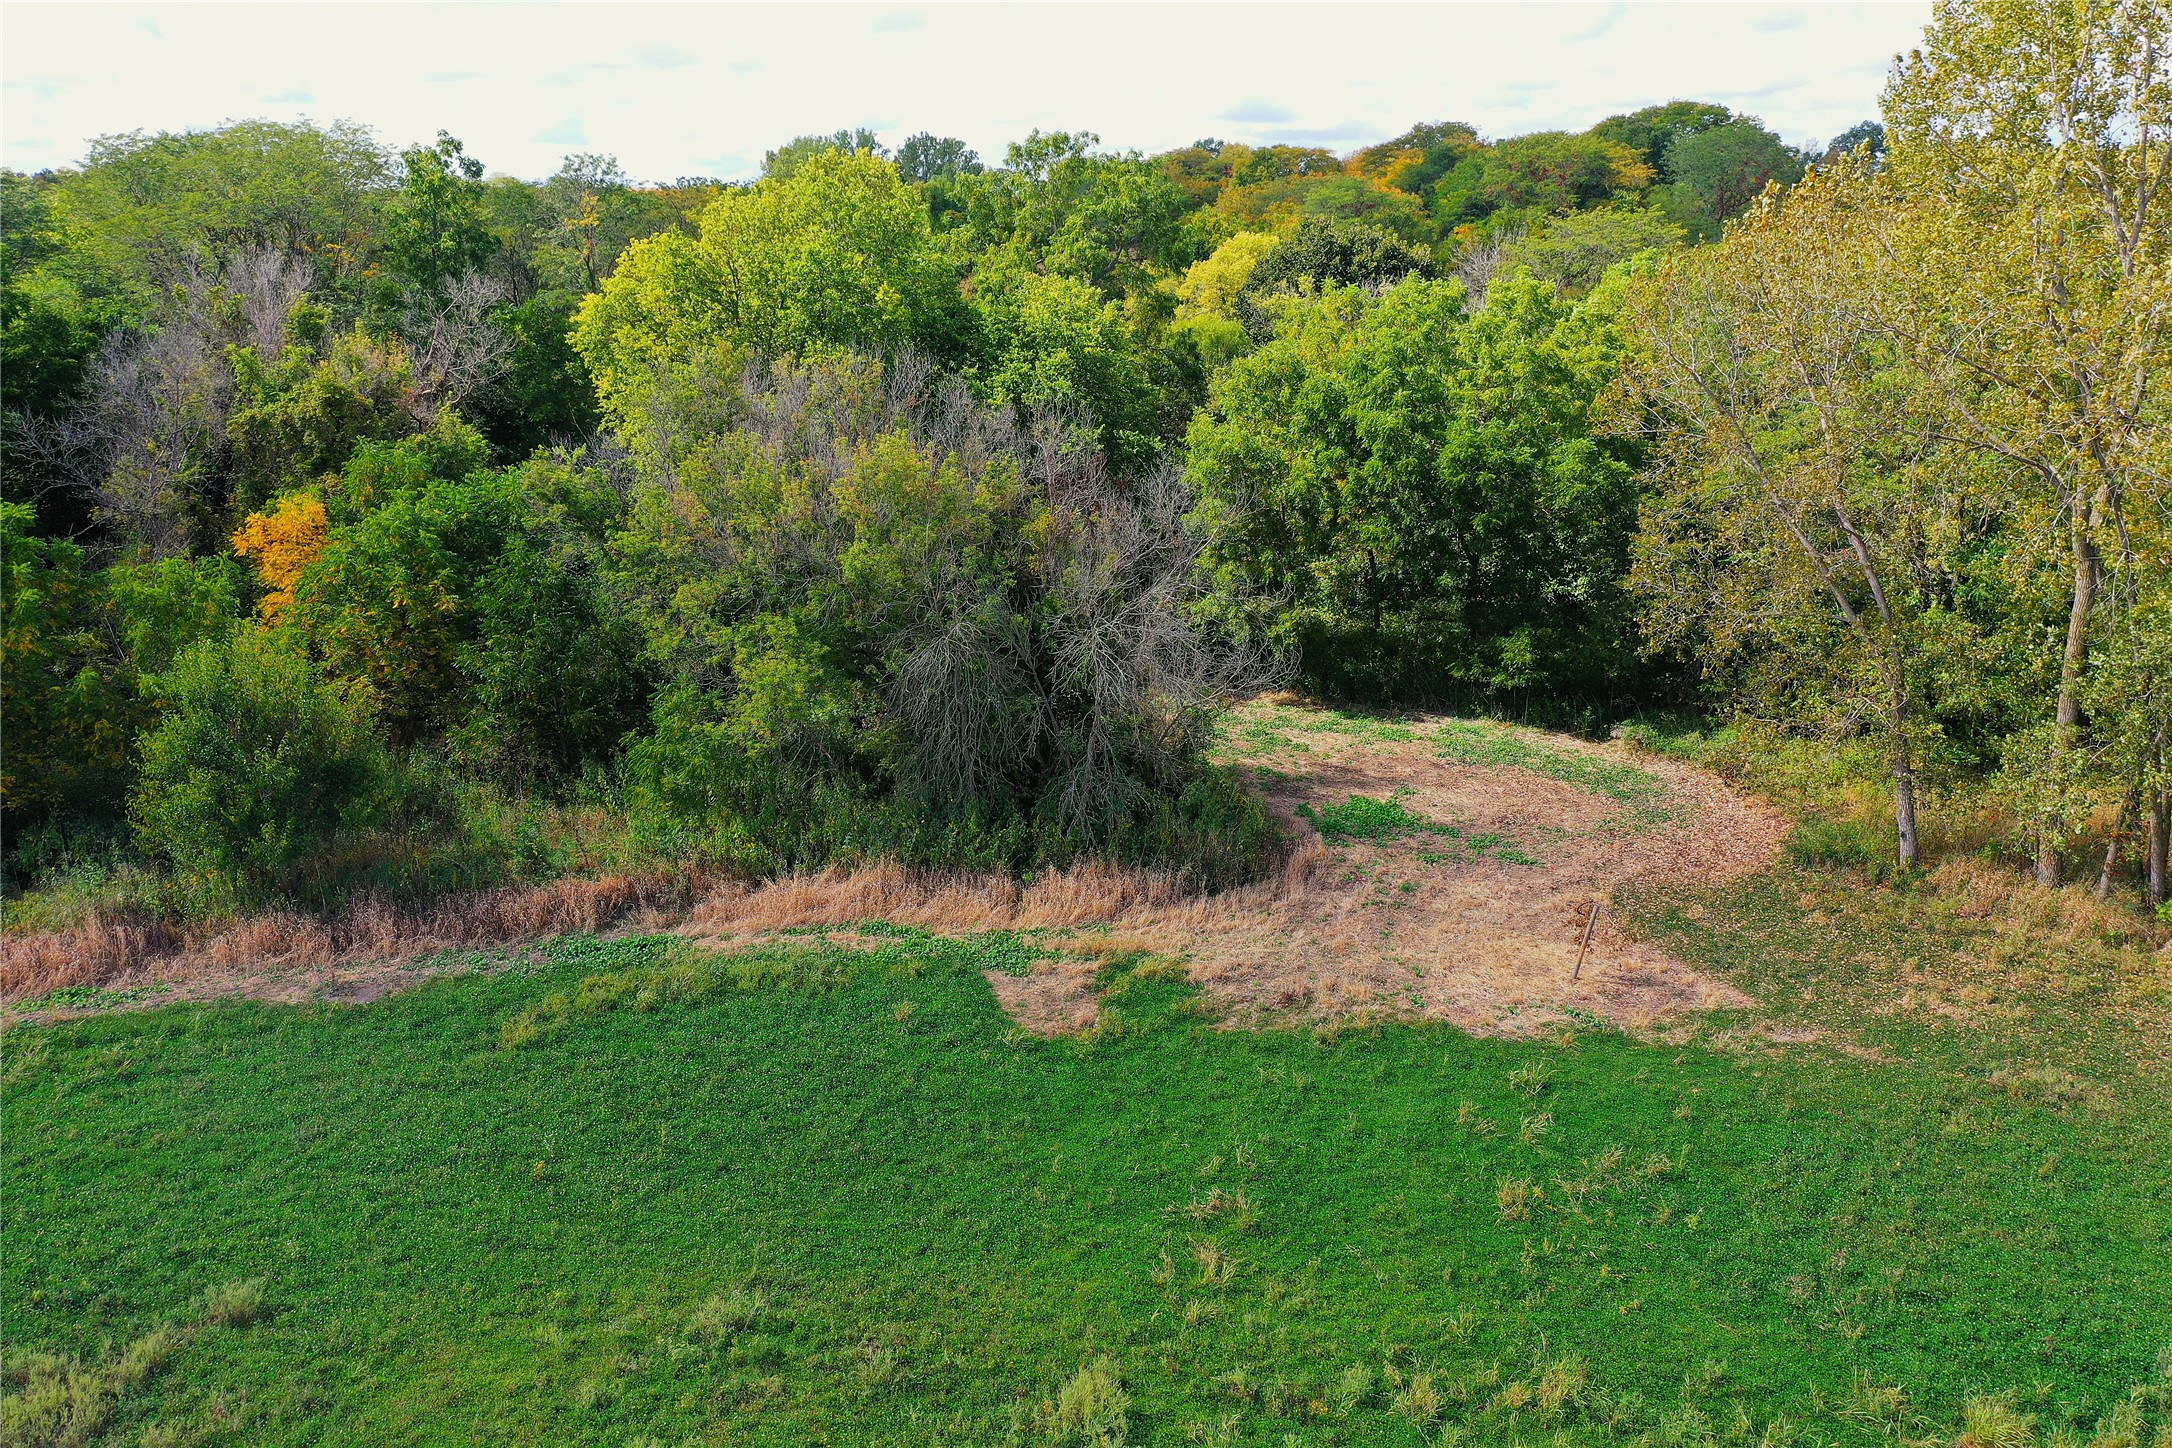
x=1365 y=928
x=1488 y=945
x=359 y=952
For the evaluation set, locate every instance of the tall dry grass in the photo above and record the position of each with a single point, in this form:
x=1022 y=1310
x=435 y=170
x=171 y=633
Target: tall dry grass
x=118 y=949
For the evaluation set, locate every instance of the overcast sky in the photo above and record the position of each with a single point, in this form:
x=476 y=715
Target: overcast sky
x=696 y=89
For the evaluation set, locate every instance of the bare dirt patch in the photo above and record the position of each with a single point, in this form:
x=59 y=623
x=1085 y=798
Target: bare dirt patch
x=1472 y=912
x=1477 y=917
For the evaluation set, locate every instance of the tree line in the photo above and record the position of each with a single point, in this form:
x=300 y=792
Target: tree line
x=376 y=522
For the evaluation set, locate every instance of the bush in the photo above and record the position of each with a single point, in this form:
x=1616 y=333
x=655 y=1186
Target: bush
x=906 y=623
x=557 y=678
x=260 y=766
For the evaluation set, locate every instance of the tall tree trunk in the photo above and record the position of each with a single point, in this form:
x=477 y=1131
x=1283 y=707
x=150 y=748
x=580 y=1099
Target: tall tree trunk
x=1904 y=775
x=2160 y=845
x=1904 y=812
x=2070 y=678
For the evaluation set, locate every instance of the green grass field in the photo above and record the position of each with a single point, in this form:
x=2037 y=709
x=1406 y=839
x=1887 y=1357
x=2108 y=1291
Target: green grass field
x=616 y=1194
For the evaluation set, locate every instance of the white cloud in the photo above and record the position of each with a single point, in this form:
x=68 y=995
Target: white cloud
x=1264 y=113
x=706 y=89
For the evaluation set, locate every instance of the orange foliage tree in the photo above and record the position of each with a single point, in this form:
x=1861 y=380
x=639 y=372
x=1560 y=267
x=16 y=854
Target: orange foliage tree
x=281 y=544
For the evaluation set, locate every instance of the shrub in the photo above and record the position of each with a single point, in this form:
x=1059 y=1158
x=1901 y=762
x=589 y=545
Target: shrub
x=905 y=623
x=259 y=766
x=386 y=600
x=557 y=677
x=69 y=702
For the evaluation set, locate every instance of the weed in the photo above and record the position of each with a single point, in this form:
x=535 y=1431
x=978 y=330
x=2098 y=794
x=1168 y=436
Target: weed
x=1232 y=1209
x=1418 y=1400
x=51 y=1400
x=1216 y=1267
x=234 y=1304
x=1359 y=818
x=1993 y=1423
x=1530 y=1080
x=1092 y=1409
x=1351 y=1390
x=1514 y=1197
x=718 y=1319
x=1559 y=1383
x=91 y=997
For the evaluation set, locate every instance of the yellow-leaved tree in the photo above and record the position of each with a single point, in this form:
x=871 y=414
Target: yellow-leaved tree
x=281 y=544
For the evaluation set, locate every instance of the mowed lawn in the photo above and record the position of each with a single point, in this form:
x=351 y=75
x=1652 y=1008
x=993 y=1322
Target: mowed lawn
x=833 y=1196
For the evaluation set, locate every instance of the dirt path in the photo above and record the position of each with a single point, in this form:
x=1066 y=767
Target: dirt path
x=1475 y=913
x=1440 y=868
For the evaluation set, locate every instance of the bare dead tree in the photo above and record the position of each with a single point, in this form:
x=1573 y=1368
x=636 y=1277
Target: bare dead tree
x=458 y=347
x=1477 y=262
x=148 y=441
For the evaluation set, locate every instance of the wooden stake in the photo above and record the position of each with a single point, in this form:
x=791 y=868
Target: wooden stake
x=1588 y=927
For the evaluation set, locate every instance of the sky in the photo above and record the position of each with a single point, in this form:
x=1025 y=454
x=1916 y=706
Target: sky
x=704 y=89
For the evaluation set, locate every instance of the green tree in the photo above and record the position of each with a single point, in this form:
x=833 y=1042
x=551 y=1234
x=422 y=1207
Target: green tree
x=838 y=254
x=793 y=154
x=1651 y=130
x=48 y=330
x=2029 y=141
x=71 y=713
x=1410 y=494
x=1550 y=171
x=927 y=157
x=145 y=208
x=1806 y=529
x=1109 y=220
x=436 y=227
x=1724 y=168
x=1054 y=341
x=1575 y=251
x=388 y=605
x=260 y=768
x=554 y=671
x=1417 y=159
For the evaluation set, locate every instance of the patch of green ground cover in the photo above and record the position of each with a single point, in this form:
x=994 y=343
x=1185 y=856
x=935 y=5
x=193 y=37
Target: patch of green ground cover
x=1477 y=741
x=1360 y=818
x=90 y=997
x=1908 y=972
x=851 y=1204
x=1362 y=726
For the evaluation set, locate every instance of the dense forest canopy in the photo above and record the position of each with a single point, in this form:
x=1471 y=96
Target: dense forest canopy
x=376 y=521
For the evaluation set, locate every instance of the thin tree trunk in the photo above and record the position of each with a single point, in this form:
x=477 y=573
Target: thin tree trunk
x=2111 y=848
x=2160 y=844
x=2070 y=678
x=1904 y=780
x=1904 y=812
